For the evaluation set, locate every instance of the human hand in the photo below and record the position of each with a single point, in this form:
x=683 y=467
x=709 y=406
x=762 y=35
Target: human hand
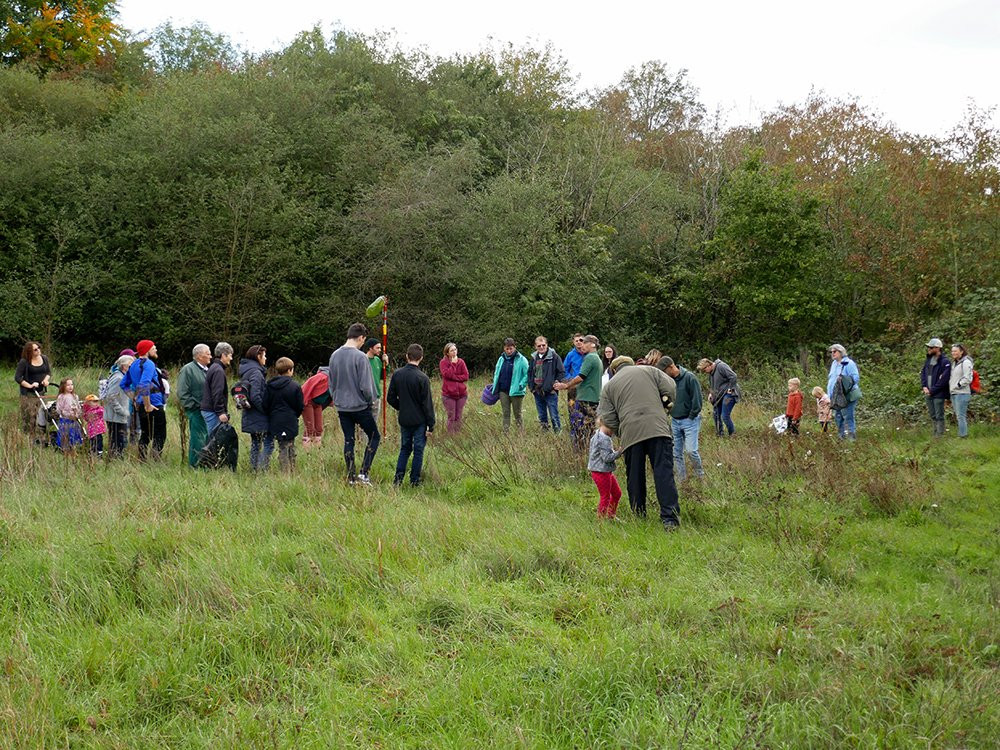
x=223 y=417
x=149 y=407
x=927 y=391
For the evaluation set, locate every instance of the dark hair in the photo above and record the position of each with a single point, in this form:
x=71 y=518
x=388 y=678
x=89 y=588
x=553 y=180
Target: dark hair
x=956 y=345
x=369 y=345
x=283 y=366
x=509 y=342
x=29 y=350
x=357 y=329
x=608 y=360
x=664 y=362
x=414 y=352
x=255 y=351
x=62 y=384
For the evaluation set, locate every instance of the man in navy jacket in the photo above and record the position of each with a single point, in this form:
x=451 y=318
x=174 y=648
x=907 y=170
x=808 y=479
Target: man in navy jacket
x=934 y=379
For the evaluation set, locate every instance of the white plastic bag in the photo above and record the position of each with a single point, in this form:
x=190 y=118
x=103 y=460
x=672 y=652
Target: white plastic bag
x=780 y=424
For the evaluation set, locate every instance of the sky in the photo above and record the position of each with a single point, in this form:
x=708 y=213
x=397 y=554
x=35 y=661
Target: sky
x=917 y=62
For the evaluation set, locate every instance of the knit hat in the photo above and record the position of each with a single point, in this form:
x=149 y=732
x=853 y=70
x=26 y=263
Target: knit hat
x=369 y=343
x=126 y=353
x=143 y=347
x=620 y=361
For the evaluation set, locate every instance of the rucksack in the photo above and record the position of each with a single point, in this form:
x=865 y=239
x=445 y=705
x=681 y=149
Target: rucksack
x=975 y=386
x=241 y=394
x=102 y=388
x=221 y=449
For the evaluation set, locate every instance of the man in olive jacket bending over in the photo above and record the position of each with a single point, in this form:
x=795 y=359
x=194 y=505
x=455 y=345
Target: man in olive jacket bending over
x=634 y=404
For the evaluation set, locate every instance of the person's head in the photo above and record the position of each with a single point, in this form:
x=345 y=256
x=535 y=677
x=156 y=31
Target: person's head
x=934 y=347
x=372 y=347
x=258 y=353
x=66 y=385
x=590 y=343
x=125 y=361
x=958 y=351
x=201 y=354
x=706 y=365
x=609 y=354
x=509 y=346
x=652 y=357
x=31 y=350
x=667 y=365
x=451 y=349
x=224 y=352
x=818 y=392
x=414 y=354
x=356 y=334
x=599 y=423
x=578 y=342
x=129 y=352
x=838 y=352
x=541 y=345
x=794 y=384
x=146 y=348
x=619 y=362
x=91 y=400
x=284 y=366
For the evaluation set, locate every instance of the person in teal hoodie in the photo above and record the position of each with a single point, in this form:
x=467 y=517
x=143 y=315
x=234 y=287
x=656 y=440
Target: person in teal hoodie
x=510 y=382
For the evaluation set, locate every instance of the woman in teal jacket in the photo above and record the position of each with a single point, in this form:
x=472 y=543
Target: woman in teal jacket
x=510 y=382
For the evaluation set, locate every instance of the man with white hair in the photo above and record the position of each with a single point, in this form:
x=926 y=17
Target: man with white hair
x=190 y=388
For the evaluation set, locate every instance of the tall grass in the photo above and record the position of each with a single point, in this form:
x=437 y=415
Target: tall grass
x=818 y=595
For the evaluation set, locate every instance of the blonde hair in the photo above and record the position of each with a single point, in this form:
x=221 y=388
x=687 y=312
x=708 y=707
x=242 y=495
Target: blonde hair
x=448 y=346
x=795 y=381
x=818 y=392
x=703 y=364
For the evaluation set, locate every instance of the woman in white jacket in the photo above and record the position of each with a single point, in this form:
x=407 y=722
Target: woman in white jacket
x=960 y=386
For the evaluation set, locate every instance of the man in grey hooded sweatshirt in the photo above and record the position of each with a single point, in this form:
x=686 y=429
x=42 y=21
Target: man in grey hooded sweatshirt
x=353 y=391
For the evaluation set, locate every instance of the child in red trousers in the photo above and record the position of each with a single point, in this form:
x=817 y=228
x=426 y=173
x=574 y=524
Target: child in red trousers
x=602 y=470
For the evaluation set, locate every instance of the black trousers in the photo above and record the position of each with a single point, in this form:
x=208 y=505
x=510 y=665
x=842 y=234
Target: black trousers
x=660 y=452
x=366 y=421
x=152 y=428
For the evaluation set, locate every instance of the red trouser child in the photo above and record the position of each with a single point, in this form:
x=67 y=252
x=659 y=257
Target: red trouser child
x=610 y=492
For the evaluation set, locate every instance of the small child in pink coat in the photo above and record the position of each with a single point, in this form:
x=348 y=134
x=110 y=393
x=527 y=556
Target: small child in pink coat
x=93 y=420
x=824 y=414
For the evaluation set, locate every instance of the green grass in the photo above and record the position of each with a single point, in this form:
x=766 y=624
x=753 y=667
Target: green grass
x=818 y=595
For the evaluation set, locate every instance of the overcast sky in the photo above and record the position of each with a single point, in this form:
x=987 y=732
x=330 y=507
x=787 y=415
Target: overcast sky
x=916 y=61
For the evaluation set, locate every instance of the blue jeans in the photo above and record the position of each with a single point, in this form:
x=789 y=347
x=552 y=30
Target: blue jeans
x=845 y=421
x=261 y=446
x=960 y=404
x=548 y=410
x=686 y=441
x=411 y=440
x=722 y=412
x=211 y=420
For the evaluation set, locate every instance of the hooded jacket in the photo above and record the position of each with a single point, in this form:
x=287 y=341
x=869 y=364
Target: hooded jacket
x=687 y=404
x=552 y=371
x=215 y=396
x=519 y=375
x=936 y=376
x=721 y=380
x=961 y=376
x=317 y=388
x=282 y=402
x=254 y=376
x=454 y=376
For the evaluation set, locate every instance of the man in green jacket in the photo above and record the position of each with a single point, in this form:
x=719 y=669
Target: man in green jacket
x=633 y=404
x=587 y=384
x=190 y=386
x=685 y=418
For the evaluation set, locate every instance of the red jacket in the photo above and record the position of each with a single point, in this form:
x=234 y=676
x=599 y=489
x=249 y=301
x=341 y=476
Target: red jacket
x=454 y=376
x=793 y=408
x=316 y=386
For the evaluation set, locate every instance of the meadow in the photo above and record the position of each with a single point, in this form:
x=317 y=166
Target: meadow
x=818 y=595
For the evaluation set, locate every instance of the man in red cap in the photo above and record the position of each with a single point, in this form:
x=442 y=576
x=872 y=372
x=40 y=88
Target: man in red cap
x=143 y=383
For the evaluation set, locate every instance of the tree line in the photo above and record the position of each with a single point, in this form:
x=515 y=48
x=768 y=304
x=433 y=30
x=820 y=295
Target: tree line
x=173 y=188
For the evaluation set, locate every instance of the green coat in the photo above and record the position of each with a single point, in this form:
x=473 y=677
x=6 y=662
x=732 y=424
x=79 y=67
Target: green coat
x=518 y=379
x=632 y=403
x=191 y=385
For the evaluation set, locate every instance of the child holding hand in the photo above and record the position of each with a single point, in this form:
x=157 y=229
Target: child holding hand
x=793 y=408
x=601 y=465
x=824 y=413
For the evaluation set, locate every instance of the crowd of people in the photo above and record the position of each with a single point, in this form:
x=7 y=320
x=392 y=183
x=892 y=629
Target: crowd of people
x=652 y=405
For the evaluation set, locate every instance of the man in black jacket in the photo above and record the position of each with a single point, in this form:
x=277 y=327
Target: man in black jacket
x=935 y=380
x=410 y=394
x=545 y=370
x=215 y=396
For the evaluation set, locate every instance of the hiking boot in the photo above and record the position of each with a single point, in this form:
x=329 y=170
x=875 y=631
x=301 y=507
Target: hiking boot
x=670 y=527
x=363 y=480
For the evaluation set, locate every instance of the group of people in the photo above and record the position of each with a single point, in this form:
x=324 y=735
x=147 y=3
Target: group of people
x=652 y=404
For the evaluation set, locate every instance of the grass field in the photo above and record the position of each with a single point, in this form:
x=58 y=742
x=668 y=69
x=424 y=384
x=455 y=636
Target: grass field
x=818 y=595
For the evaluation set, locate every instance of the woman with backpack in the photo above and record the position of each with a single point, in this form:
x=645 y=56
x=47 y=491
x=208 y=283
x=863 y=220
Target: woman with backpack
x=844 y=387
x=960 y=386
x=254 y=419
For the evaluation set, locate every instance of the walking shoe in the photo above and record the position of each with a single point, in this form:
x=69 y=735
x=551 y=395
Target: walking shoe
x=670 y=527
x=363 y=480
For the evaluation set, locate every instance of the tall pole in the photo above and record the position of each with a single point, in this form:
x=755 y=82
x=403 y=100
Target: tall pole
x=385 y=352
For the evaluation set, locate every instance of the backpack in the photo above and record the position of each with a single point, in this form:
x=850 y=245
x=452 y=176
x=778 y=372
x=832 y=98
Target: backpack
x=222 y=449
x=102 y=388
x=241 y=395
x=975 y=386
